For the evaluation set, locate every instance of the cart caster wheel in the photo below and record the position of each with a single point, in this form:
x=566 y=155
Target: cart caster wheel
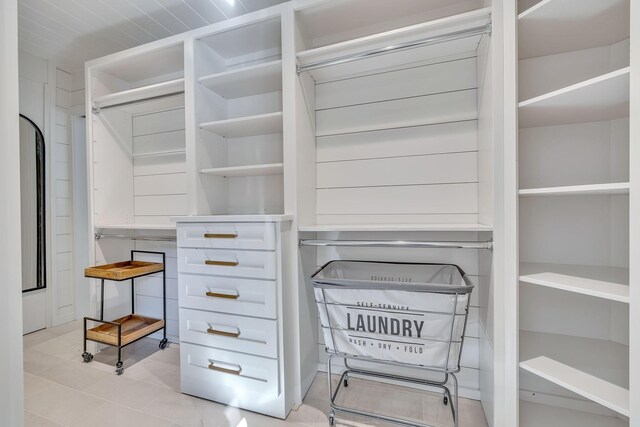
x=445 y=400
x=163 y=344
x=332 y=420
x=346 y=382
x=119 y=368
x=87 y=357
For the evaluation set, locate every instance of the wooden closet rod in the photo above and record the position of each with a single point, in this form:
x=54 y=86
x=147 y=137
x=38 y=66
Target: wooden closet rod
x=399 y=244
x=455 y=35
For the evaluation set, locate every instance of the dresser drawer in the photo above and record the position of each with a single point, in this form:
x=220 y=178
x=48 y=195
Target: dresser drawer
x=250 y=382
x=228 y=295
x=221 y=262
x=226 y=235
x=230 y=332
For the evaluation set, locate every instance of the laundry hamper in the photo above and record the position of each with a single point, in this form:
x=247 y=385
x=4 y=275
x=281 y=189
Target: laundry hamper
x=393 y=313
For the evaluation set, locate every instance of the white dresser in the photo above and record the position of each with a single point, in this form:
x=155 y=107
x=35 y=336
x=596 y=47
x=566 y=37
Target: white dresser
x=232 y=298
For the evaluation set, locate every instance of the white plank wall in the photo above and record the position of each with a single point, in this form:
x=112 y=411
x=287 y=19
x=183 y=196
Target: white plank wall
x=399 y=146
x=159 y=167
x=149 y=288
x=64 y=288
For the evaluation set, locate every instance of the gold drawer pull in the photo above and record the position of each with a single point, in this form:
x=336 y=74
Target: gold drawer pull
x=219 y=295
x=222 y=263
x=220 y=235
x=223 y=333
x=225 y=370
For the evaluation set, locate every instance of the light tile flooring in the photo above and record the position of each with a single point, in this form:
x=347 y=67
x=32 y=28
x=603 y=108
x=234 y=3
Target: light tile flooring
x=60 y=390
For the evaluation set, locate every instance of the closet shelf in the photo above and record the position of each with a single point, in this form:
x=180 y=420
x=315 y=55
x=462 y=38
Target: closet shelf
x=143 y=93
x=254 y=80
x=399 y=125
x=570 y=190
x=461 y=22
x=602 y=98
x=593 y=388
x=262 y=124
x=250 y=170
x=395 y=227
x=555 y=26
x=577 y=283
x=601 y=282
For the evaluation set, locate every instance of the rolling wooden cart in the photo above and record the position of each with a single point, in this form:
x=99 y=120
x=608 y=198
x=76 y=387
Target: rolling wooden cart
x=133 y=327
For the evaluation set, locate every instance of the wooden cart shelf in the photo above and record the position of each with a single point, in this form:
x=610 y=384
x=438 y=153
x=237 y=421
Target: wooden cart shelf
x=123 y=270
x=134 y=327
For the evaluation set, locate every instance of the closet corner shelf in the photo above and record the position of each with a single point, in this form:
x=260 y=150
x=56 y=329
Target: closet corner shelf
x=605 y=97
x=254 y=80
x=250 y=170
x=124 y=270
x=394 y=227
x=581 y=285
x=576 y=190
x=140 y=94
x=133 y=326
x=556 y=26
x=593 y=388
x=262 y=124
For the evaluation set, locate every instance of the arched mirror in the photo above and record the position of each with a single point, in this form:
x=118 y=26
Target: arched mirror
x=32 y=200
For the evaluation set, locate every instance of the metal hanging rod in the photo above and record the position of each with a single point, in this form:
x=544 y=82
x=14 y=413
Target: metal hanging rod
x=455 y=35
x=97 y=110
x=99 y=236
x=398 y=244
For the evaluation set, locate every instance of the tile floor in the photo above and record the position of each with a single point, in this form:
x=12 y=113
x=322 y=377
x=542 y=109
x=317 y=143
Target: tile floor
x=60 y=390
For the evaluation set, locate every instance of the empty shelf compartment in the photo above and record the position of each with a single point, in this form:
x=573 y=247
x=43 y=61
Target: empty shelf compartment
x=134 y=327
x=123 y=270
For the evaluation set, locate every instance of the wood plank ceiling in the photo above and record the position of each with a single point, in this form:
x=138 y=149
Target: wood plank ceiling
x=70 y=32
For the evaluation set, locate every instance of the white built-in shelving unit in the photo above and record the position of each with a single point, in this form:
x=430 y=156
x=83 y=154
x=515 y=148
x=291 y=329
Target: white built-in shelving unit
x=574 y=295
x=237 y=92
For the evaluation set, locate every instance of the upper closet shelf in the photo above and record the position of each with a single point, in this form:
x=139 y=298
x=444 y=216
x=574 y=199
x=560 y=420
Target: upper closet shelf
x=571 y=190
x=262 y=124
x=253 y=80
x=555 y=26
x=602 y=98
x=593 y=388
x=601 y=282
x=140 y=94
x=394 y=227
x=439 y=38
x=249 y=170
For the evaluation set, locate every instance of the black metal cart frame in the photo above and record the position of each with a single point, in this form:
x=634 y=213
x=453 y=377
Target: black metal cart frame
x=88 y=357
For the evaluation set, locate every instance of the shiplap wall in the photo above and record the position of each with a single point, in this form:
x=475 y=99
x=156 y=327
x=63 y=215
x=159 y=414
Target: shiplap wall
x=399 y=146
x=62 y=174
x=159 y=167
x=149 y=288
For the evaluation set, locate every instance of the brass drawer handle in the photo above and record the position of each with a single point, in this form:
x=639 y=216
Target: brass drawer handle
x=225 y=370
x=220 y=235
x=222 y=263
x=223 y=333
x=220 y=295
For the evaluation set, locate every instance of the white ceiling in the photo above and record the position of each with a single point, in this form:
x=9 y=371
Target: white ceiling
x=74 y=31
